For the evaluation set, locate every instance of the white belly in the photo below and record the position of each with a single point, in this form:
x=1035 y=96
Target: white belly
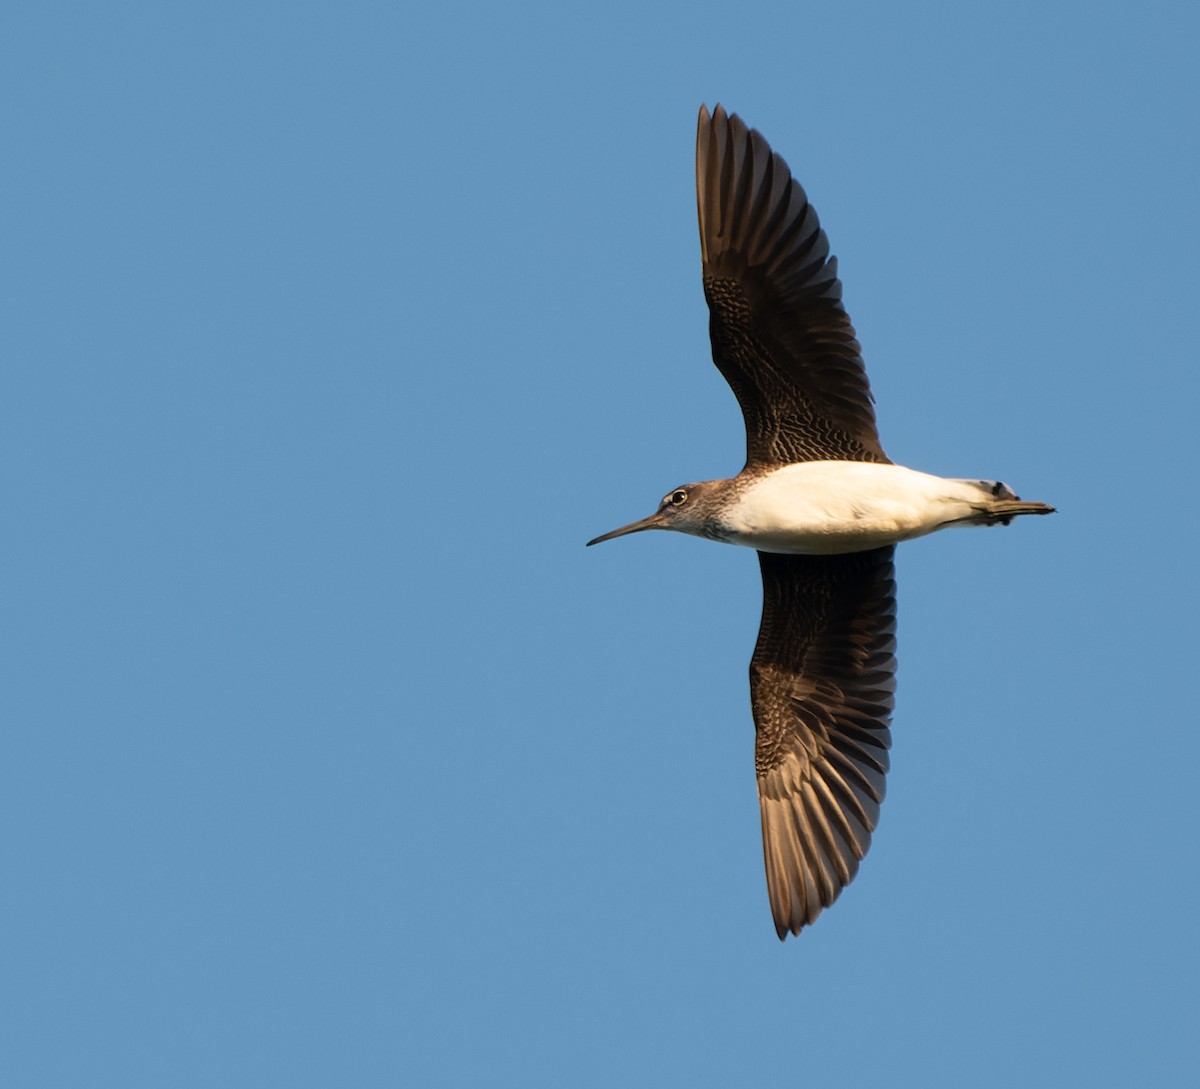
x=826 y=507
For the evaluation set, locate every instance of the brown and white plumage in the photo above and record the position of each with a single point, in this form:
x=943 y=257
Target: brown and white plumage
x=824 y=507
x=823 y=673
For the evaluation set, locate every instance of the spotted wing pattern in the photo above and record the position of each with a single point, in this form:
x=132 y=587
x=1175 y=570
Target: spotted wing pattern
x=821 y=685
x=780 y=335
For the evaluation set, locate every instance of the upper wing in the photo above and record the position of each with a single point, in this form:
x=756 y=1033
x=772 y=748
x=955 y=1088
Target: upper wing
x=821 y=685
x=779 y=333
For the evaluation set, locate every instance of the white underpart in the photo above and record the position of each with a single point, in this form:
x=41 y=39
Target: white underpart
x=827 y=507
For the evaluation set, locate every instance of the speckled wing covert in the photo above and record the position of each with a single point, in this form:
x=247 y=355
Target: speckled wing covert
x=821 y=687
x=780 y=335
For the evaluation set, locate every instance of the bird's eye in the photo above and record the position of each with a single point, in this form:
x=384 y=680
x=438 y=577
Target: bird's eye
x=678 y=498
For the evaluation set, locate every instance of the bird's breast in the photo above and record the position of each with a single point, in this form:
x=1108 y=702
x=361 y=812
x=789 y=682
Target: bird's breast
x=829 y=507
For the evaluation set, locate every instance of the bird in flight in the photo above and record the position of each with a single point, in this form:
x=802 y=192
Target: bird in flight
x=823 y=506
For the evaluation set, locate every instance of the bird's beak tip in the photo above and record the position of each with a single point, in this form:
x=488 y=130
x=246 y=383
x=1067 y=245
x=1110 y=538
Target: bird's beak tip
x=607 y=537
x=633 y=527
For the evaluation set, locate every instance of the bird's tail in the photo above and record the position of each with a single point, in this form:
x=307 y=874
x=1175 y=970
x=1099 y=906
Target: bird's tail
x=999 y=504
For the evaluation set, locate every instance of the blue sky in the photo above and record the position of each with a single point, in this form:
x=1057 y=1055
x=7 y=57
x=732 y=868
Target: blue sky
x=331 y=757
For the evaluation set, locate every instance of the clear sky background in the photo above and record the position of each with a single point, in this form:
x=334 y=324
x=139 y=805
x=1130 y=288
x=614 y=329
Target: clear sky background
x=330 y=757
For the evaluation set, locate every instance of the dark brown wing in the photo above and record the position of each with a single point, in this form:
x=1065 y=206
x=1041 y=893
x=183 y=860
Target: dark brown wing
x=821 y=685
x=779 y=333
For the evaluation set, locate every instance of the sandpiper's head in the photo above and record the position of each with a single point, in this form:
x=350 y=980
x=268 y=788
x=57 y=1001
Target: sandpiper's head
x=687 y=509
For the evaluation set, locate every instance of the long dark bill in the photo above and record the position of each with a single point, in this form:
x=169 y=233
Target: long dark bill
x=653 y=522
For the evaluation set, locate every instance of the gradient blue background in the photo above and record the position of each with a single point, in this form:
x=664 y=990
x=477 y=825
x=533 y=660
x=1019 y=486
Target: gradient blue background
x=330 y=756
